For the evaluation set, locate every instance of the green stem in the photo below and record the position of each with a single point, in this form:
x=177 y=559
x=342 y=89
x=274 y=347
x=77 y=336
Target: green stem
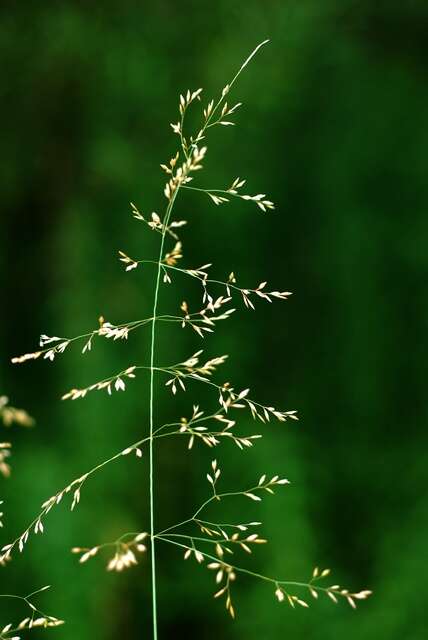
x=151 y=417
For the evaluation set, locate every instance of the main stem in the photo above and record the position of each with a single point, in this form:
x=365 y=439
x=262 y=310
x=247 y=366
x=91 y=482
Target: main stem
x=153 y=341
x=151 y=416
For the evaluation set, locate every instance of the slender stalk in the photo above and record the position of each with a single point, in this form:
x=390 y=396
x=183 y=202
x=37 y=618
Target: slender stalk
x=216 y=496
x=293 y=583
x=151 y=414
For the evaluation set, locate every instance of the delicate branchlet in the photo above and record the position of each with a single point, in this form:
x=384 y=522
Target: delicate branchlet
x=113 y=383
x=59 y=345
x=204 y=321
x=220 y=196
x=35 y=620
x=126 y=550
x=228 y=398
x=231 y=287
x=225 y=539
x=37 y=526
x=212 y=543
x=314 y=589
x=192 y=367
x=212 y=435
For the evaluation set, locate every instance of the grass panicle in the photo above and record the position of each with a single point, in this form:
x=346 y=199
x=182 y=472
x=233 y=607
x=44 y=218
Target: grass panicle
x=217 y=546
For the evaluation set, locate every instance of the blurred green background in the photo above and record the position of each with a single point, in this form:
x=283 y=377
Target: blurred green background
x=334 y=129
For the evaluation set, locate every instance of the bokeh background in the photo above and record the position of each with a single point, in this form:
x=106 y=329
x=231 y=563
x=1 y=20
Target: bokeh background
x=334 y=129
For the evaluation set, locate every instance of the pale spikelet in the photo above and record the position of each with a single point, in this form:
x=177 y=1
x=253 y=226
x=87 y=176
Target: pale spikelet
x=4 y=455
x=219 y=196
x=155 y=222
x=174 y=255
x=108 y=330
x=10 y=415
x=280 y=595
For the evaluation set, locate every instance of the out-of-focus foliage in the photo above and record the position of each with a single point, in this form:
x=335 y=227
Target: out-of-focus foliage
x=334 y=127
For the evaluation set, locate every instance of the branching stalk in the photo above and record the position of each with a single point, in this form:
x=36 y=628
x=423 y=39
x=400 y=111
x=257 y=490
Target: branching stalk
x=207 y=427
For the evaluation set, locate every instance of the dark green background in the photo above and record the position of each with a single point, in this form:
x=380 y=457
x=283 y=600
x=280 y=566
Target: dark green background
x=334 y=129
